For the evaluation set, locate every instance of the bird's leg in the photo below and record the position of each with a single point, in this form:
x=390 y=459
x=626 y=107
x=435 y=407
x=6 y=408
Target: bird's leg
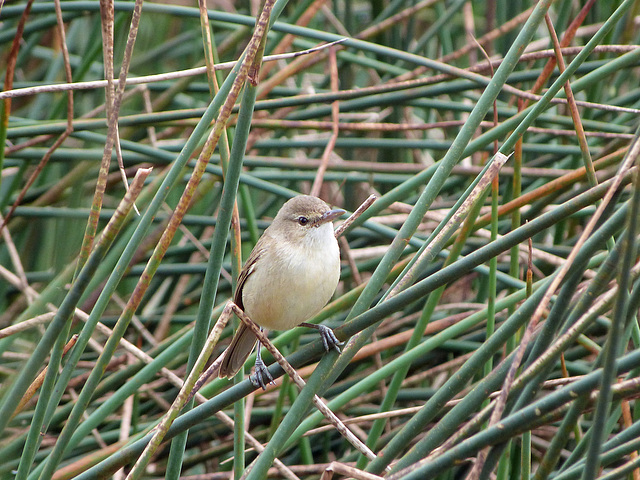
x=261 y=376
x=329 y=339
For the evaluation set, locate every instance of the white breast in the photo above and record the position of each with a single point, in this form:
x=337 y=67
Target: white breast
x=294 y=284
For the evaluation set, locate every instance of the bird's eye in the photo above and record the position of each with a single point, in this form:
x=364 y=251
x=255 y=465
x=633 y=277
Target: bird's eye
x=303 y=220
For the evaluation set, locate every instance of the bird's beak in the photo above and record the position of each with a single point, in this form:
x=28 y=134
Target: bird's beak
x=331 y=215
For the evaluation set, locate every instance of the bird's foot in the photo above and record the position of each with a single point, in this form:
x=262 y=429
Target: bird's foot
x=329 y=339
x=261 y=377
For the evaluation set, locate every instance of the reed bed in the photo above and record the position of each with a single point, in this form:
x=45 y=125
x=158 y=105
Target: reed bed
x=489 y=295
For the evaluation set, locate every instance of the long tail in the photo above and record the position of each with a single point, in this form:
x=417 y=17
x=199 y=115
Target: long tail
x=237 y=352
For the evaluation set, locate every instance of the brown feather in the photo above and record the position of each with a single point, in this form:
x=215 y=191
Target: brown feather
x=244 y=339
x=237 y=352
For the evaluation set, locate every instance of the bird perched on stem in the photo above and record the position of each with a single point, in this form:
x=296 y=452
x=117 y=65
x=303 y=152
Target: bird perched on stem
x=291 y=273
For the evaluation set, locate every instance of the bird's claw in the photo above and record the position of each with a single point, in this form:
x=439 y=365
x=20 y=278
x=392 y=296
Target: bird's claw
x=261 y=377
x=329 y=339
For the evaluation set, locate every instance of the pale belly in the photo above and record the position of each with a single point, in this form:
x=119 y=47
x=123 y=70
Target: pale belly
x=286 y=293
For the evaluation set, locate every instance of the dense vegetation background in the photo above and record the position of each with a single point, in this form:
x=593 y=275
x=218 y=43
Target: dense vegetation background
x=491 y=318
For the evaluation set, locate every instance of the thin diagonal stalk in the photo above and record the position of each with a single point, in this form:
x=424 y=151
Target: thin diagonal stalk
x=139 y=234
x=61 y=321
x=65 y=311
x=114 y=98
x=612 y=346
x=227 y=208
x=163 y=244
x=161 y=430
x=218 y=245
x=473 y=203
x=452 y=157
x=368 y=318
x=5 y=106
x=518 y=422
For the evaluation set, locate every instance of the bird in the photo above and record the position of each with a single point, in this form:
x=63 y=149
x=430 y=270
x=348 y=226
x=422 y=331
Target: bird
x=290 y=275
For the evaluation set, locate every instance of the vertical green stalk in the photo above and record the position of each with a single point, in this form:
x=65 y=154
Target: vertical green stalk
x=514 y=260
x=418 y=331
x=59 y=331
x=178 y=444
x=485 y=102
x=39 y=420
x=297 y=410
x=228 y=204
x=144 y=223
x=493 y=267
x=504 y=462
x=239 y=425
x=63 y=314
x=237 y=154
x=525 y=448
x=452 y=419
x=612 y=346
x=525 y=456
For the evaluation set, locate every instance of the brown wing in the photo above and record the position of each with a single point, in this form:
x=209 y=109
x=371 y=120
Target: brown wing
x=244 y=339
x=237 y=352
x=248 y=269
